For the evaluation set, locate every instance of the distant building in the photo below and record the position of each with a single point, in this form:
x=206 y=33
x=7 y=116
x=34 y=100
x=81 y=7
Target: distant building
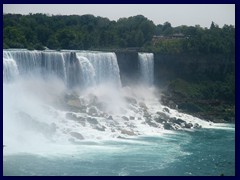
x=157 y=39
x=178 y=35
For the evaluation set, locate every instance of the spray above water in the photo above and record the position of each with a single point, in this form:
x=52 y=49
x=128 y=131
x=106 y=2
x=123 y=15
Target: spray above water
x=72 y=97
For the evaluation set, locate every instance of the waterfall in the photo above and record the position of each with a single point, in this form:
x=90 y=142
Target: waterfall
x=146 y=61
x=88 y=75
x=27 y=61
x=53 y=63
x=44 y=63
x=82 y=69
x=105 y=66
x=85 y=102
x=10 y=69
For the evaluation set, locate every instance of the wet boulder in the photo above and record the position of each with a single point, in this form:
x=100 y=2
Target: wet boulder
x=131 y=117
x=131 y=100
x=166 y=110
x=197 y=126
x=92 y=120
x=125 y=118
x=74 y=117
x=146 y=114
x=150 y=123
x=77 y=135
x=188 y=125
x=163 y=115
x=168 y=126
x=160 y=120
x=176 y=126
x=93 y=111
x=143 y=105
x=100 y=127
x=110 y=117
x=178 y=121
x=130 y=133
x=71 y=116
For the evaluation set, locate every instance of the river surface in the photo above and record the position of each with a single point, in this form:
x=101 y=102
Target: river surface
x=205 y=152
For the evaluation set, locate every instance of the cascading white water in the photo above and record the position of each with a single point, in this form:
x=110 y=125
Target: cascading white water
x=96 y=125
x=105 y=66
x=54 y=63
x=10 y=69
x=44 y=110
x=83 y=69
x=88 y=75
x=146 y=61
x=27 y=61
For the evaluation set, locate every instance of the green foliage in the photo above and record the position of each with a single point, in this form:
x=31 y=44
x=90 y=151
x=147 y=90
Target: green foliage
x=209 y=99
x=75 y=32
x=196 y=40
x=39 y=46
x=90 y=32
x=221 y=90
x=171 y=46
x=185 y=89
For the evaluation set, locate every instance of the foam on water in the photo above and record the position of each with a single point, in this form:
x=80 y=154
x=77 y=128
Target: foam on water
x=40 y=115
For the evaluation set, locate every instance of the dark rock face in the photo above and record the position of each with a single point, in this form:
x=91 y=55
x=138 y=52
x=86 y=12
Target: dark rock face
x=169 y=67
x=129 y=67
x=195 y=69
x=189 y=67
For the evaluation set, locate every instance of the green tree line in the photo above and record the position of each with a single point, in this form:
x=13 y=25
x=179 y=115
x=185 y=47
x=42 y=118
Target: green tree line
x=75 y=32
x=36 y=31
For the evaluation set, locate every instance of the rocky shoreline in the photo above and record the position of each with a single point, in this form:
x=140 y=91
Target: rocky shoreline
x=212 y=110
x=93 y=110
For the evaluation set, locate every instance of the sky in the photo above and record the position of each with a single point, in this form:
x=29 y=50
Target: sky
x=176 y=14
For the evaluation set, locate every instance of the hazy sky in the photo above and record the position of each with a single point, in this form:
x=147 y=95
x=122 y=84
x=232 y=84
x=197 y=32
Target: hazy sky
x=176 y=14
